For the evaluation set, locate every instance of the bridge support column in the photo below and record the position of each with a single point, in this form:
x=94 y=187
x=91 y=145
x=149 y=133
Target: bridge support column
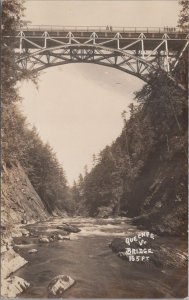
x=118 y=44
x=167 y=56
x=118 y=36
x=46 y=35
x=142 y=45
x=21 y=41
x=142 y=37
x=20 y=45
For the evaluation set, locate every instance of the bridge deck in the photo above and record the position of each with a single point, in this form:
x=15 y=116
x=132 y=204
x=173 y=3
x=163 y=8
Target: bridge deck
x=114 y=29
x=108 y=38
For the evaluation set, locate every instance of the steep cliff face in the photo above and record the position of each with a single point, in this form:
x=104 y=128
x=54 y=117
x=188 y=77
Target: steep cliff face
x=160 y=196
x=19 y=200
x=19 y=204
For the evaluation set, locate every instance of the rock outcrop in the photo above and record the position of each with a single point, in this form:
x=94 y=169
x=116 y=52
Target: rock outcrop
x=10 y=262
x=13 y=286
x=19 y=201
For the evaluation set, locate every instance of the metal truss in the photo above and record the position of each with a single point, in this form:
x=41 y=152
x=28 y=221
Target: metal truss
x=138 y=54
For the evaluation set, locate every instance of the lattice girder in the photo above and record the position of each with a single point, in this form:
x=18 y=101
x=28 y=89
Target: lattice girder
x=138 y=54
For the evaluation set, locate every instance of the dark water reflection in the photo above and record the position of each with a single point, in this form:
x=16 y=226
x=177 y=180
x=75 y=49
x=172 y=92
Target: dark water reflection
x=98 y=272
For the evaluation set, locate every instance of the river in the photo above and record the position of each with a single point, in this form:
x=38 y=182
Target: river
x=99 y=273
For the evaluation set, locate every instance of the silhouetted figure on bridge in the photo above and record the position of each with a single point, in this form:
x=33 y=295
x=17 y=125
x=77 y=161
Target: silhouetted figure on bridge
x=169 y=29
x=109 y=28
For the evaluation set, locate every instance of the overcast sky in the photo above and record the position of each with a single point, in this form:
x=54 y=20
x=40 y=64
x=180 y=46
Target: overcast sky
x=77 y=108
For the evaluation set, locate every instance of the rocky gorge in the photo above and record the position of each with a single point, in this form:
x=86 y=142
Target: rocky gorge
x=61 y=256
x=121 y=230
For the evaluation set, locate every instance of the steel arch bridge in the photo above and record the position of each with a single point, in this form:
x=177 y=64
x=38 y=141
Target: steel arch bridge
x=137 y=51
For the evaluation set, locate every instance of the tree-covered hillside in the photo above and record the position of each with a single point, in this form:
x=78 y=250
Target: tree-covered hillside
x=20 y=144
x=144 y=172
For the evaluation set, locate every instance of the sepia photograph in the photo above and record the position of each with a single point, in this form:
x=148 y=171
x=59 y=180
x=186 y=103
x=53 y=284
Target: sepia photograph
x=94 y=149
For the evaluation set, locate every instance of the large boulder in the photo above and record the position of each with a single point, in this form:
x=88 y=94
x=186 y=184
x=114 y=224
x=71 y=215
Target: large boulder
x=59 y=285
x=69 y=228
x=13 y=286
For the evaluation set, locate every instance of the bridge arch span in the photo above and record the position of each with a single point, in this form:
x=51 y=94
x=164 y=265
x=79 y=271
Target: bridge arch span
x=137 y=51
x=95 y=54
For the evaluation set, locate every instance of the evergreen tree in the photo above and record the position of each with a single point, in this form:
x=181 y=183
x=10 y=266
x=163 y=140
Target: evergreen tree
x=183 y=21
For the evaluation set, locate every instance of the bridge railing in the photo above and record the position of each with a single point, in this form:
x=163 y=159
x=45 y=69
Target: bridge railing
x=101 y=29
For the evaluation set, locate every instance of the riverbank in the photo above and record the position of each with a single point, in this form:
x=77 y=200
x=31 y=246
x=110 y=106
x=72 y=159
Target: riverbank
x=11 y=261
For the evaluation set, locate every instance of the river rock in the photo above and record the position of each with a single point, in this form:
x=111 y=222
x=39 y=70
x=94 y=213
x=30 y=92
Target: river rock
x=32 y=251
x=59 y=285
x=53 y=237
x=26 y=234
x=64 y=232
x=67 y=238
x=62 y=237
x=69 y=228
x=44 y=239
